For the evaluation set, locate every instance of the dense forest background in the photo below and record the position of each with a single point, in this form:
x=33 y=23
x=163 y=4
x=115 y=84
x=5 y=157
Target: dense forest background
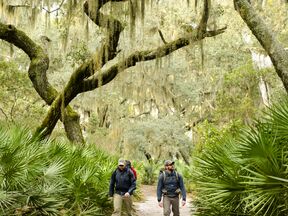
x=216 y=83
x=176 y=104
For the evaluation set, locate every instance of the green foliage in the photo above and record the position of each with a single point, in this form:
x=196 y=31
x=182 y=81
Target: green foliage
x=161 y=138
x=93 y=126
x=246 y=175
x=17 y=94
x=239 y=97
x=52 y=178
x=151 y=172
x=78 y=54
x=208 y=134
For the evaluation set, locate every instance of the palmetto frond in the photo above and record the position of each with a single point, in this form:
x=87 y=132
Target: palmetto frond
x=247 y=175
x=49 y=177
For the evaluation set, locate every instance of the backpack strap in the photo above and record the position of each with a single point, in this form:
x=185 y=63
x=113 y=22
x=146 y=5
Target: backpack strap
x=130 y=173
x=164 y=176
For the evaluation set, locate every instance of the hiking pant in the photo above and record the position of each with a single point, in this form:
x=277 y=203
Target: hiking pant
x=168 y=202
x=118 y=200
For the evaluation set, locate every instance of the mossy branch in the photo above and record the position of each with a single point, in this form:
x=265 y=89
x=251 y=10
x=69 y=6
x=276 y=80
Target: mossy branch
x=104 y=76
x=90 y=75
x=276 y=51
x=37 y=70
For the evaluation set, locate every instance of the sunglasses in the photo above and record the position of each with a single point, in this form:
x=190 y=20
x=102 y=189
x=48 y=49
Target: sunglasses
x=121 y=165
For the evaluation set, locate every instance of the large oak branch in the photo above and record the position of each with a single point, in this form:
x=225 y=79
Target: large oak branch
x=37 y=73
x=104 y=76
x=277 y=53
x=91 y=75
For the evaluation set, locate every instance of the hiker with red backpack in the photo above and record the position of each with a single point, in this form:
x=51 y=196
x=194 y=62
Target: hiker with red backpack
x=122 y=186
x=170 y=185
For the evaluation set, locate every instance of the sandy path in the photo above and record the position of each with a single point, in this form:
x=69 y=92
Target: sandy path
x=149 y=206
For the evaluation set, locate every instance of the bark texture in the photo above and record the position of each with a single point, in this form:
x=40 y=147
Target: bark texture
x=90 y=75
x=275 y=50
x=37 y=73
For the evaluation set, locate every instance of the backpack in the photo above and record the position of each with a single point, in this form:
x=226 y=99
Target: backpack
x=128 y=169
x=164 y=175
x=129 y=166
x=164 y=191
x=134 y=172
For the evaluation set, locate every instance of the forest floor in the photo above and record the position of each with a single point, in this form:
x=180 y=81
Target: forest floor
x=149 y=205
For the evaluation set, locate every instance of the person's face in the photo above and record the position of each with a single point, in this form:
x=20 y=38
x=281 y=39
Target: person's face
x=121 y=167
x=170 y=167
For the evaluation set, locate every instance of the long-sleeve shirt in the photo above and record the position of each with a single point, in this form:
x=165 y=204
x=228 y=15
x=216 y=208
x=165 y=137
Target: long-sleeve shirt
x=170 y=185
x=122 y=181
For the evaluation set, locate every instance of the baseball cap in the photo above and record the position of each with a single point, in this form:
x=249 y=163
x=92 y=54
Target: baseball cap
x=121 y=162
x=168 y=162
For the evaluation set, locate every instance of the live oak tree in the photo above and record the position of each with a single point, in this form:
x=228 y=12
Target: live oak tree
x=93 y=73
x=266 y=37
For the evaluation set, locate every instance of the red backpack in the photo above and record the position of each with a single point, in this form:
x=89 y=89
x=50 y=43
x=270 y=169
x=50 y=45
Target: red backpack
x=129 y=165
x=134 y=172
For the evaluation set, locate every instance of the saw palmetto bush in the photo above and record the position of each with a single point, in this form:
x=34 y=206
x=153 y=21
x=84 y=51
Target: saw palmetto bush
x=246 y=175
x=52 y=178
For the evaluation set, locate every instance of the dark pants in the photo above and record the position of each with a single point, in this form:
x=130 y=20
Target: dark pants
x=168 y=202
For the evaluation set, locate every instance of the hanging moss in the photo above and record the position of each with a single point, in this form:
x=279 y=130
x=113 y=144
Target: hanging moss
x=57 y=19
x=11 y=13
x=2 y=7
x=70 y=9
x=74 y=3
x=65 y=38
x=132 y=12
x=87 y=30
x=196 y=4
x=136 y=7
x=34 y=15
x=202 y=54
x=11 y=50
x=142 y=10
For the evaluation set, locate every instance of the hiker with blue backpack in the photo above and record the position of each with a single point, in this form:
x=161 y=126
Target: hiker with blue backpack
x=122 y=186
x=170 y=186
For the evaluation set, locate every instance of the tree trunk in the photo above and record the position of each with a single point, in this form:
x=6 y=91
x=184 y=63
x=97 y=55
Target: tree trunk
x=102 y=114
x=277 y=53
x=264 y=90
x=37 y=73
x=72 y=126
x=185 y=156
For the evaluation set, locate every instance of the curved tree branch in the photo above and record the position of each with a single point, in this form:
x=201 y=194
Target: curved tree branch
x=89 y=76
x=276 y=51
x=162 y=36
x=107 y=52
x=37 y=73
x=59 y=7
x=112 y=26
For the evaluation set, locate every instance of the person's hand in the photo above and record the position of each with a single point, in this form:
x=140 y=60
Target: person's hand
x=160 y=204
x=126 y=194
x=183 y=203
x=110 y=198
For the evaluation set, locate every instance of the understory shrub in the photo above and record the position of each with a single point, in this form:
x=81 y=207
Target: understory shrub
x=52 y=178
x=246 y=174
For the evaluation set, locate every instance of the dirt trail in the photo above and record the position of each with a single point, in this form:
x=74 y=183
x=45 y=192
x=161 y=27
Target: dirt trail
x=149 y=206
